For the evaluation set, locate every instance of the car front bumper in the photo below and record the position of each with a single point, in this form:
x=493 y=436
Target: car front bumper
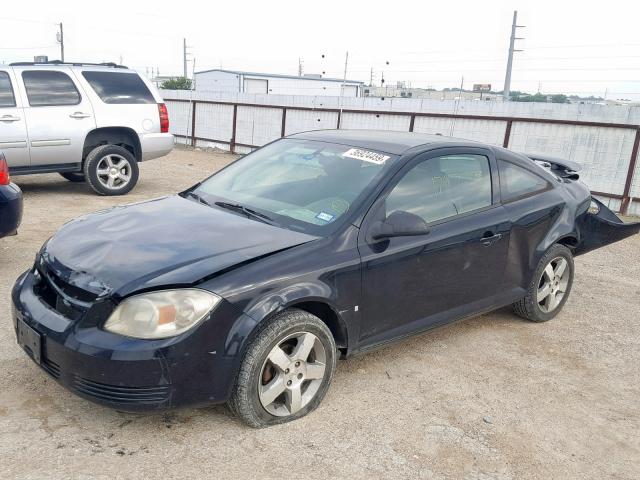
x=120 y=372
x=10 y=209
x=155 y=145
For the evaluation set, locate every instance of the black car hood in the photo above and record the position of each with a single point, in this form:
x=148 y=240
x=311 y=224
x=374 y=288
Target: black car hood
x=170 y=241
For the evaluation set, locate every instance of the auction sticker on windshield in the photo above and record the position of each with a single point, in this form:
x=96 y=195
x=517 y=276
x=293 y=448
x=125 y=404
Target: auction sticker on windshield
x=366 y=156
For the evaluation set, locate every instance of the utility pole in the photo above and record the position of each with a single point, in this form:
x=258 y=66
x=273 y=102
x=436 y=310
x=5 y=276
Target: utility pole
x=60 y=39
x=299 y=67
x=507 y=79
x=184 y=56
x=344 y=80
x=371 y=78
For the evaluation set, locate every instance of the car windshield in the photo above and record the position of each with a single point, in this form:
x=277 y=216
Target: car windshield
x=299 y=184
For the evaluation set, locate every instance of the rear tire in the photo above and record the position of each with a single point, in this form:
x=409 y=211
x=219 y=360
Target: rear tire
x=111 y=170
x=286 y=370
x=74 y=177
x=550 y=287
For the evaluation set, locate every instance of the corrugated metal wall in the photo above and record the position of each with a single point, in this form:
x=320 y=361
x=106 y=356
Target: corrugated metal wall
x=604 y=151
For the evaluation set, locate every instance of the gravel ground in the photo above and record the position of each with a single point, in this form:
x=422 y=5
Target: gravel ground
x=489 y=398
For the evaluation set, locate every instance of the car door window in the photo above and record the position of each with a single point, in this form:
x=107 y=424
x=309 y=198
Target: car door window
x=7 y=98
x=49 y=88
x=518 y=182
x=442 y=187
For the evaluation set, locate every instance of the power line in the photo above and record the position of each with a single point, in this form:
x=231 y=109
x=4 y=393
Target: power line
x=27 y=20
x=28 y=48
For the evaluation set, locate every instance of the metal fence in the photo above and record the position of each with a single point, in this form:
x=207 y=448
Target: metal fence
x=608 y=152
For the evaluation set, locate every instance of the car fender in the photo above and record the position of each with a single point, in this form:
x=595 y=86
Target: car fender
x=563 y=230
x=271 y=304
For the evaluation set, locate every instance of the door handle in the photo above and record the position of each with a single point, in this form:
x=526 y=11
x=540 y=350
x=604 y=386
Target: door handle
x=9 y=118
x=489 y=239
x=79 y=115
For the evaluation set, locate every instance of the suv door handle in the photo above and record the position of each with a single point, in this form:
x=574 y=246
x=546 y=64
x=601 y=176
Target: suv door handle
x=489 y=239
x=9 y=118
x=79 y=115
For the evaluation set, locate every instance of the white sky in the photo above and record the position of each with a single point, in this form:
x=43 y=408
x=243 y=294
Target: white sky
x=584 y=47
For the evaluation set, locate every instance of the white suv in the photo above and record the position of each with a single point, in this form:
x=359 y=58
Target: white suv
x=87 y=122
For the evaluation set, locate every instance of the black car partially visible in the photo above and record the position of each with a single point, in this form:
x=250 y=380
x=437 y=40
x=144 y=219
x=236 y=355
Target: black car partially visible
x=10 y=202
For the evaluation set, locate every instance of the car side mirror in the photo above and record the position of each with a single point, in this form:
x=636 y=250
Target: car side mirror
x=399 y=224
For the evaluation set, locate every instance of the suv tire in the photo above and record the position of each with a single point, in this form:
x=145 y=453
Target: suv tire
x=111 y=170
x=74 y=177
x=286 y=370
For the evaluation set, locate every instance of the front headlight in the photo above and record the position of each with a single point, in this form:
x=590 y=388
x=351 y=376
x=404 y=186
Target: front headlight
x=161 y=314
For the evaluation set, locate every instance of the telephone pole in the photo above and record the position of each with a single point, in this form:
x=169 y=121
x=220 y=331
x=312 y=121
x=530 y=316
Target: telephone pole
x=60 y=39
x=299 y=67
x=344 y=80
x=184 y=56
x=507 y=79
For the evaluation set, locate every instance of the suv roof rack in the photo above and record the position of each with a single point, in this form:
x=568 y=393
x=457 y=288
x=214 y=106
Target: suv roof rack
x=74 y=64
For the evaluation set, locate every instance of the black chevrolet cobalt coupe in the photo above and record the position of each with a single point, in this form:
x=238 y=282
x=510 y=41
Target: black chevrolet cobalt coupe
x=247 y=287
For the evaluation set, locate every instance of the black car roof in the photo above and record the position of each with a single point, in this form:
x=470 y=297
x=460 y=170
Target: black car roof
x=381 y=140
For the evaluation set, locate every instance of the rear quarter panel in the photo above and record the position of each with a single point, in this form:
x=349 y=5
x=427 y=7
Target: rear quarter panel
x=538 y=222
x=141 y=118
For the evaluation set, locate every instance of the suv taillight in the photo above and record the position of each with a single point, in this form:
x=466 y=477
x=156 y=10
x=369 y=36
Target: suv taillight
x=164 y=118
x=4 y=171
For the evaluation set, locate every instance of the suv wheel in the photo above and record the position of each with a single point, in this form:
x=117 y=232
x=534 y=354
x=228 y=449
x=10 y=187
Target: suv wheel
x=286 y=370
x=111 y=170
x=73 y=176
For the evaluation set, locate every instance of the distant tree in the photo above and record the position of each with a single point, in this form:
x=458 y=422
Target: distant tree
x=179 y=83
x=559 y=98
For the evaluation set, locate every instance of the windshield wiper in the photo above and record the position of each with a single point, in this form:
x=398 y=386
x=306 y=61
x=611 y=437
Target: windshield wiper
x=249 y=212
x=199 y=198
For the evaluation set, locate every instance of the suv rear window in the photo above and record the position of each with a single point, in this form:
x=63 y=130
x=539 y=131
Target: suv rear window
x=119 y=87
x=6 y=91
x=49 y=88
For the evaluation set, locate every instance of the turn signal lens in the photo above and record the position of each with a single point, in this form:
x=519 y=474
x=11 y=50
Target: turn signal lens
x=161 y=314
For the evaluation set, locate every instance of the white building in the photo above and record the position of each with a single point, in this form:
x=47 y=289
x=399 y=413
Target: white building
x=233 y=81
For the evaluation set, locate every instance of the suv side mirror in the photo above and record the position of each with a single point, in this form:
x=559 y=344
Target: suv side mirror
x=399 y=224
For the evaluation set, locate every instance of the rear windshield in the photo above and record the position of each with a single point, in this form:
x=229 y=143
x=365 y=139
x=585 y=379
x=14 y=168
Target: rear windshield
x=119 y=87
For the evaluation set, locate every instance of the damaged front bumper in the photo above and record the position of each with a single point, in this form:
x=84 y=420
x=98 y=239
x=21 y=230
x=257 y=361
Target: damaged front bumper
x=124 y=373
x=602 y=228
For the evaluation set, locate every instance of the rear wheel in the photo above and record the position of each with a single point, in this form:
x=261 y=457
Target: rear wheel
x=74 y=177
x=550 y=286
x=286 y=370
x=111 y=170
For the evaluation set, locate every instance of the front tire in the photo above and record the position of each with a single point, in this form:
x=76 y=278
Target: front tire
x=286 y=370
x=550 y=287
x=111 y=170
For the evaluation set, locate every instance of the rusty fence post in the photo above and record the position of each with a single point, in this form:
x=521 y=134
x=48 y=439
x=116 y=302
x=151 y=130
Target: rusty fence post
x=232 y=143
x=626 y=194
x=193 y=123
x=507 y=134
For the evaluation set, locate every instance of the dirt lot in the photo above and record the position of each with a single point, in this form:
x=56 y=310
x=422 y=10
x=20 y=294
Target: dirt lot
x=490 y=398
